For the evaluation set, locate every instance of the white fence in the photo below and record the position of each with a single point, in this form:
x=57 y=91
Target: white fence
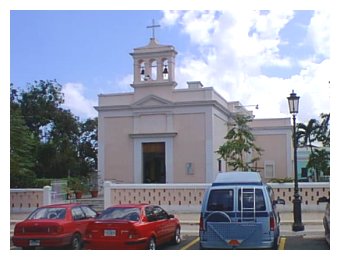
x=26 y=200
x=174 y=197
x=188 y=197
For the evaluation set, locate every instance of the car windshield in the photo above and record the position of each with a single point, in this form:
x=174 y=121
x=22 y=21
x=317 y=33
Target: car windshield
x=132 y=214
x=48 y=213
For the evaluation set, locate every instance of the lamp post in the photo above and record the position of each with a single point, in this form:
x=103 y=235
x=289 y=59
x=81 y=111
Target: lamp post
x=293 y=102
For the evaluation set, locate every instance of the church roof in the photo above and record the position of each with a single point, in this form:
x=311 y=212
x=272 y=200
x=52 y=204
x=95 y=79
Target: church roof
x=154 y=46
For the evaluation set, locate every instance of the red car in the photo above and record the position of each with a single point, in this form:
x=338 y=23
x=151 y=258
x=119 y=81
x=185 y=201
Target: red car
x=56 y=225
x=132 y=226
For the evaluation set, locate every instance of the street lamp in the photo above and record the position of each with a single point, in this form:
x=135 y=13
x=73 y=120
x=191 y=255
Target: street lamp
x=293 y=102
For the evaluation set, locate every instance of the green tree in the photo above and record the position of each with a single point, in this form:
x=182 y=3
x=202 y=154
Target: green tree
x=312 y=135
x=319 y=162
x=21 y=148
x=39 y=103
x=88 y=145
x=307 y=134
x=323 y=132
x=240 y=145
x=64 y=136
x=62 y=145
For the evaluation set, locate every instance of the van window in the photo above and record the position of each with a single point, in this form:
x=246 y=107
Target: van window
x=248 y=200
x=221 y=200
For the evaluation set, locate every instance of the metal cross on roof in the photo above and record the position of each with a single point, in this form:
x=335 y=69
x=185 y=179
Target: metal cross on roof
x=153 y=26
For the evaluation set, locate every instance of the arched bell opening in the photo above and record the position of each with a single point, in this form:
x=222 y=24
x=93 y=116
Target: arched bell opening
x=142 y=70
x=165 y=70
x=153 y=69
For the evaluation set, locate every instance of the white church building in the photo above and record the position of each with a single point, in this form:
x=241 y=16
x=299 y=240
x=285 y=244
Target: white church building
x=158 y=133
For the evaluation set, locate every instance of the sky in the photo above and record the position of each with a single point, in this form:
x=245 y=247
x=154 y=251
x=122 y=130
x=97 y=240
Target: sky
x=256 y=57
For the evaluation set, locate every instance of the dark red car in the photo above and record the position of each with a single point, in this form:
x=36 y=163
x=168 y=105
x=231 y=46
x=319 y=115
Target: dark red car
x=132 y=226
x=56 y=225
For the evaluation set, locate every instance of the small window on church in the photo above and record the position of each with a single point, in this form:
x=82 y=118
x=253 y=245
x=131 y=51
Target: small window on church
x=269 y=169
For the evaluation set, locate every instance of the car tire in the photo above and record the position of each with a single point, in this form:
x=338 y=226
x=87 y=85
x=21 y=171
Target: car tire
x=177 y=236
x=28 y=248
x=76 y=242
x=275 y=244
x=152 y=244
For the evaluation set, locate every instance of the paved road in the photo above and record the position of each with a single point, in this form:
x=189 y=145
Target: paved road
x=286 y=243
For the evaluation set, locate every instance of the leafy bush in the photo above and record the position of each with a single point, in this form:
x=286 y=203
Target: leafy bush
x=281 y=180
x=78 y=184
x=40 y=183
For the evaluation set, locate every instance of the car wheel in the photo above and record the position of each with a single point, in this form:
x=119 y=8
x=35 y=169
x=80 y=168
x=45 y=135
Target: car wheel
x=152 y=244
x=76 y=242
x=28 y=248
x=177 y=237
x=275 y=244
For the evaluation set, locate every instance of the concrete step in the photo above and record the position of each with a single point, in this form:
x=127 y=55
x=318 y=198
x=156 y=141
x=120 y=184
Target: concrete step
x=96 y=203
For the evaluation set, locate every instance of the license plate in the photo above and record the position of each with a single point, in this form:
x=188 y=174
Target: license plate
x=109 y=232
x=34 y=242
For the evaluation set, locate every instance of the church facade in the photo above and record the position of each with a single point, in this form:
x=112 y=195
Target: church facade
x=158 y=133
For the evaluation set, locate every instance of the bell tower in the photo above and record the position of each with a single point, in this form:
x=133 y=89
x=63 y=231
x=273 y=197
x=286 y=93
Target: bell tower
x=154 y=64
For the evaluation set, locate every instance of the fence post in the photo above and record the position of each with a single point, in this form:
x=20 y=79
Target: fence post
x=107 y=194
x=47 y=193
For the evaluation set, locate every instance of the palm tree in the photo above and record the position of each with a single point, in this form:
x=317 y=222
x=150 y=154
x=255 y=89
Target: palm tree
x=307 y=134
x=240 y=142
x=319 y=161
x=323 y=134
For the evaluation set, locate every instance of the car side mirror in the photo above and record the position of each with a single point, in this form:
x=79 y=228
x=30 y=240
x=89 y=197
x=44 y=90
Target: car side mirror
x=322 y=199
x=279 y=201
x=171 y=216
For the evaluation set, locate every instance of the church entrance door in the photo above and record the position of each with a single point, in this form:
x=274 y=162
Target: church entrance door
x=154 y=162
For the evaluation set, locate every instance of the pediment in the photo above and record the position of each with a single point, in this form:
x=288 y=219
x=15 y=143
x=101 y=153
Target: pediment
x=151 y=101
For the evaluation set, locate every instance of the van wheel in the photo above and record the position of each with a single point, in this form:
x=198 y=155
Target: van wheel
x=202 y=248
x=275 y=244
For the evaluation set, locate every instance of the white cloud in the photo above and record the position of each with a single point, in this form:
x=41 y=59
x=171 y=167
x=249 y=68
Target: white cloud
x=199 y=25
x=319 y=33
x=231 y=49
x=170 y=18
x=77 y=102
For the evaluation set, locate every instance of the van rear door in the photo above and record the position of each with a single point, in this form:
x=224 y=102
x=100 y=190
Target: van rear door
x=236 y=217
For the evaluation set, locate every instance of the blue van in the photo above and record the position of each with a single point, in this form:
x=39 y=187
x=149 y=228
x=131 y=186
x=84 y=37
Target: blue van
x=239 y=211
